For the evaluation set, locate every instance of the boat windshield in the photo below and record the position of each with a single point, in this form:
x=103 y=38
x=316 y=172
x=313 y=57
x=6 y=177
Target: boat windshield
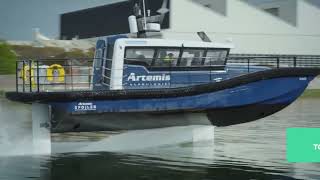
x=215 y=57
x=192 y=57
x=140 y=54
x=175 y=57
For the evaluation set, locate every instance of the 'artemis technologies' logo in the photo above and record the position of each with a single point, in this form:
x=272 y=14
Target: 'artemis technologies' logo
x=88 y=106
x=163 y=77
x=148 y=80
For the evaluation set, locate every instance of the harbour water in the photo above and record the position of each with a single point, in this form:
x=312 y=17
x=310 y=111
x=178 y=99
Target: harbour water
x=255 y=150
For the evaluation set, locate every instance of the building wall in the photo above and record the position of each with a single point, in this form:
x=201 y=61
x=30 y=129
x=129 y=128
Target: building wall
x=19 y=17
x=245 y=22
x=314 y=2
x=287 y=9
x=105 y=20
x=252 y=30
x=219 y=6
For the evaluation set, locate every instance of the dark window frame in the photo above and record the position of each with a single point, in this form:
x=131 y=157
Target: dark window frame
x=98 y=61
x=192 y=48
x=178 y=49
x=212 y=49
x=139 y=47
x=177 y=67
x=107 y=63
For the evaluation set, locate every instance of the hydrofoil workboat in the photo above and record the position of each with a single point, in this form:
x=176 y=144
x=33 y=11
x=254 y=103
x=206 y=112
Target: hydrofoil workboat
x=139 y=81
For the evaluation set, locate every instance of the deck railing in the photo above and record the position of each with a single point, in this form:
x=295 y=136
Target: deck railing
x=53 y=75
x=43 y=75
x=274 y=61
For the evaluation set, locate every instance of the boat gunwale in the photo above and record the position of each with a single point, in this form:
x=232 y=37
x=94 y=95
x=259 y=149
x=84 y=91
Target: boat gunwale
x=69 y=96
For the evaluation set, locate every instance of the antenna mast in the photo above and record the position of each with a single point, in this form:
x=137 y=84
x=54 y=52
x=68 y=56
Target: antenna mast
x=141 y=24
x=144 y=15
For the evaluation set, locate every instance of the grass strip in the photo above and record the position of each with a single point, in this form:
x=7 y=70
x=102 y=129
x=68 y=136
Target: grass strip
x=311 y=93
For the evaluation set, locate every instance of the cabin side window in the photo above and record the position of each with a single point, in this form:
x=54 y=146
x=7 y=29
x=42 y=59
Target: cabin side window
x=192 y=57
x=98 y=58
x=108 y=65
x=216 y=57
x=167 y=57
x=154 y=57
x=144 y=55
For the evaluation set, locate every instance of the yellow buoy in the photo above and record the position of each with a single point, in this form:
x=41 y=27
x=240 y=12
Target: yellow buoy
x=61 y=72
x=25 y=73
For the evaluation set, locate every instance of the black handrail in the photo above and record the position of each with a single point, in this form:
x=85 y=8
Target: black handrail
x=29 y=73
x=32 y=75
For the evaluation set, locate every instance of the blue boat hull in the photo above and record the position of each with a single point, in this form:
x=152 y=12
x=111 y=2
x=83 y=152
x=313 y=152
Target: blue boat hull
x=65 y=122
x=271 y=91
x=222 y=108
x=233 y=101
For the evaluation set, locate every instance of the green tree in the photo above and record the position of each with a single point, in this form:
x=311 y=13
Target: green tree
x=7 y=59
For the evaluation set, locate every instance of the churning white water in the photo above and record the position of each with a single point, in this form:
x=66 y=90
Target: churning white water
x=16 y=129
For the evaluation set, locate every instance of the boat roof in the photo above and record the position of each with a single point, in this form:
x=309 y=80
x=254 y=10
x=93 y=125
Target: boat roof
x=144 y=42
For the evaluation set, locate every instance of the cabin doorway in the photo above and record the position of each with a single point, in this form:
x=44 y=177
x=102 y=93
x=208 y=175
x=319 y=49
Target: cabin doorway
x=108 y=65
x=98 y=65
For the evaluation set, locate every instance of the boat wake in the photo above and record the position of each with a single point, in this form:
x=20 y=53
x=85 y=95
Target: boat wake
x=19 y=138
x=136 y=140
x=16 y=131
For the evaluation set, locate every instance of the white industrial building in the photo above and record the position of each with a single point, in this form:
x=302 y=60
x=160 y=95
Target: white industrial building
x=255 y=26
x=40 y=40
